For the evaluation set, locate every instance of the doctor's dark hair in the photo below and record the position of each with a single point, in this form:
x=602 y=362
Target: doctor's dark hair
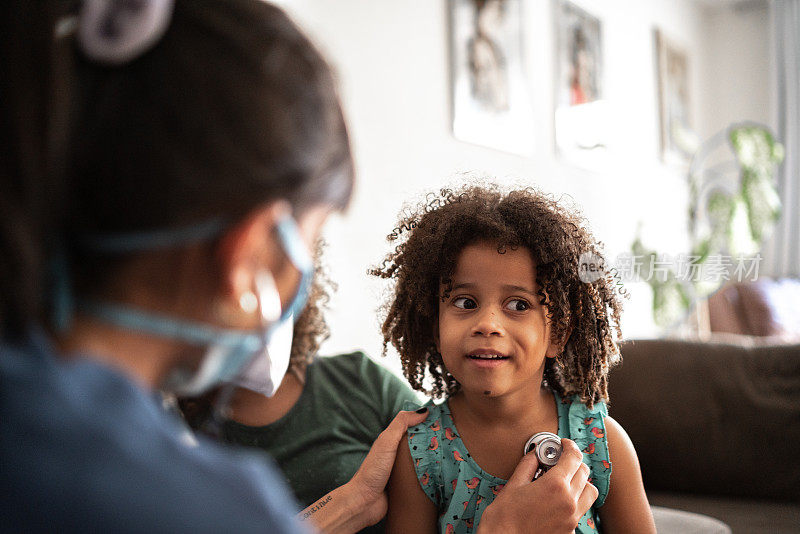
x=584 y=316
x=231 y=108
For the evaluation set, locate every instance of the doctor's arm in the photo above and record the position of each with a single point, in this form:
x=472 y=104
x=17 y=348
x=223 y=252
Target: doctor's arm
x=362 y=501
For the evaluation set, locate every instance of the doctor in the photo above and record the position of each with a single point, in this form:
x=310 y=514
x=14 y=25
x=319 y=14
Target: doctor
x=168 y=165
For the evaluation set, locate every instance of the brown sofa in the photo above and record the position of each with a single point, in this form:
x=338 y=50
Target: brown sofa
x=716 y=426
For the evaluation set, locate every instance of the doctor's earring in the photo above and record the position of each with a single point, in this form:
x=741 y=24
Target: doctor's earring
x=248 y=302
x=234 y=311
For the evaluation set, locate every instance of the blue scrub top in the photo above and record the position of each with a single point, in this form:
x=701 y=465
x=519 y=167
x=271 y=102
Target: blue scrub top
x=83 y=448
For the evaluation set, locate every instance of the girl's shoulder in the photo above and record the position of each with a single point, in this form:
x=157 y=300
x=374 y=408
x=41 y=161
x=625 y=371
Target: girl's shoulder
x=424 y=444
x=436 y=427
x=586 y=427
x=435 y=413
x=438 y=424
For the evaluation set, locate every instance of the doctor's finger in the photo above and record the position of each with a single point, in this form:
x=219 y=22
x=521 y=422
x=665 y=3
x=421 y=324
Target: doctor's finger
x=570 y=460
x=385 y=445
x=587 y=498
x=580 y=478
x=523 y=473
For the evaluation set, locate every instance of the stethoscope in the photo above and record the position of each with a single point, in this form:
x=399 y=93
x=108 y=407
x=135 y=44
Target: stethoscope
x=547 y=448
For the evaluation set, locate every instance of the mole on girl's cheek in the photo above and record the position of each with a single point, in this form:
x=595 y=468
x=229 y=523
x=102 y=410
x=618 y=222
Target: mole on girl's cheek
x=487 y=392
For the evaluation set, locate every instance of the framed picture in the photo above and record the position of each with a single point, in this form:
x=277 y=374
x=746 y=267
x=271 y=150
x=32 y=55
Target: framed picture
x=491 y=101
x=582 y=116
x=677 y=136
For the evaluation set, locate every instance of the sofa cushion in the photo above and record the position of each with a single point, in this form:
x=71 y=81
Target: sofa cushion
x=672 y=521
x=745 y=516
x=712 y=418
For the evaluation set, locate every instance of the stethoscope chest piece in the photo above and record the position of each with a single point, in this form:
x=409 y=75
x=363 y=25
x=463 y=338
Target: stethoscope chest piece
x=547 y=448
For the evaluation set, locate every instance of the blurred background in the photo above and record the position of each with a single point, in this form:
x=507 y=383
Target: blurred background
x=605 y=102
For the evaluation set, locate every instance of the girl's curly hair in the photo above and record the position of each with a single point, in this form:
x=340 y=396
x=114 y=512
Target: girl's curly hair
x=309 y=332
x=310 y=329
x=582 y=315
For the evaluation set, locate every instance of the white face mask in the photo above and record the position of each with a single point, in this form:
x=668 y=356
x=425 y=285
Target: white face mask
x=265 y=373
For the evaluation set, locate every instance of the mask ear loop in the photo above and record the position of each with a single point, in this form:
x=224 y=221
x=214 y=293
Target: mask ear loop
x=59 y=296
x=292 y=242
x=62 y=298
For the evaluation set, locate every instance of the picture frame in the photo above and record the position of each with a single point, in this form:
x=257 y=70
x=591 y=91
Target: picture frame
x=491 y=103
x=581 y=115
x=677 y=138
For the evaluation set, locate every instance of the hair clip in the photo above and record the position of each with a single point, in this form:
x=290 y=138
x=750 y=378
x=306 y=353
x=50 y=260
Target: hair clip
x=114 y=32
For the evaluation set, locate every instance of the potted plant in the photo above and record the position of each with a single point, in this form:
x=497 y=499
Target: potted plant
x=733 y=208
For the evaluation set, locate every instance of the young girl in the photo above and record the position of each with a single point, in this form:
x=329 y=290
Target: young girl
x=490 y=310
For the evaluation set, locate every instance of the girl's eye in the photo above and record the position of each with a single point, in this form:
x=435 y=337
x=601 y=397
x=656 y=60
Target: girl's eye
x=517 y=305
x=465 y=303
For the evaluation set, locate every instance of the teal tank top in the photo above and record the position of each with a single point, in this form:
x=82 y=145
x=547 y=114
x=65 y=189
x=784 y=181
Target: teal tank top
x=461 y=490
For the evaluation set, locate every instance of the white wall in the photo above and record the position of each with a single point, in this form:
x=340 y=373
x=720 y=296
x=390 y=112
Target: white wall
x=392 y=62
x=738 y=57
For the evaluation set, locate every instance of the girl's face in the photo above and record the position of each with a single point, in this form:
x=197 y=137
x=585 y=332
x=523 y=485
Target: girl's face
x=494 y=335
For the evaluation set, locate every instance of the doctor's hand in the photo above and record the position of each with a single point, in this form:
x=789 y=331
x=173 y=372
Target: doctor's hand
x=362 y=501
x=553 y=503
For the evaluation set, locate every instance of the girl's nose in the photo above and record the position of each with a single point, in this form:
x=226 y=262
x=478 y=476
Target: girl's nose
x=487 y=323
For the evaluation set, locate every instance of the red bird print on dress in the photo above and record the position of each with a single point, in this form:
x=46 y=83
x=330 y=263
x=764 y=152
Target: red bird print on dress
x=457 y=456
x=424 y=479
x=449 y=434
x=589 y=449
x=498 y=488
x=435 y=426
x=434 y=444
x=472 y=483
x=597 y=433
x=449 y=529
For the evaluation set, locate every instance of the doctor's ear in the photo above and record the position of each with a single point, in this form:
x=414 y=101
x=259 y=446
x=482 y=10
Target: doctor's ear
x=249 y=247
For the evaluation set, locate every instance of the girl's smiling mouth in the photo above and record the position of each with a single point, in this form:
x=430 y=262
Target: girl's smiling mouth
x=487 y=357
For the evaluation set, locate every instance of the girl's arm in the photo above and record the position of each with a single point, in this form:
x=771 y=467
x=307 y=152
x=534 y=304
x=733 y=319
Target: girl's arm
x=410 y=510
x=626 y=508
